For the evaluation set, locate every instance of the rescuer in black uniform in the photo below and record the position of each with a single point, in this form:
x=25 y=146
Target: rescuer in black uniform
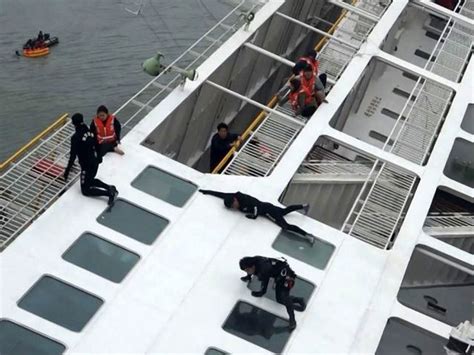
x=254 y=208
x=83 y=146
x=265 y=268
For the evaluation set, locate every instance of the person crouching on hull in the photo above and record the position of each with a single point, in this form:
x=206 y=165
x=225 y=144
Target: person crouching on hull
x=266 y=268
x=83 y=146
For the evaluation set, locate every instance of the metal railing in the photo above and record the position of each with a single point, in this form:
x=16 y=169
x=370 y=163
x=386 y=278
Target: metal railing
x=415 y=130
x=450 y=220
x=140 y=104
x=375 y=218
x=335 y=52
x=30 y=185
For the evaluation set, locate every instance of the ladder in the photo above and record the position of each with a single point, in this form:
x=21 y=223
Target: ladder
x=375 y=218
x=262 y=151
x=268 y=143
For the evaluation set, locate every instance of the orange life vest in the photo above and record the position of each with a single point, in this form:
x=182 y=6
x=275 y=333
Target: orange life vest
x=293 y=97
x=313 y=62
x=105 y=130
x=308 y=84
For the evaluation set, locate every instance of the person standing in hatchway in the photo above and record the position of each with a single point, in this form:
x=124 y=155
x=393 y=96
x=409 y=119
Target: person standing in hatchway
x=83 y=146
x=266 y=268
x=106 y=128
x=221 y=143
x=253 y=208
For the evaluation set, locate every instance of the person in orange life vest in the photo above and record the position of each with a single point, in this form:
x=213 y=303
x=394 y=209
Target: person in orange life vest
x=301 y=99
x=314 y=84
x=308 y=59
x=106 y=128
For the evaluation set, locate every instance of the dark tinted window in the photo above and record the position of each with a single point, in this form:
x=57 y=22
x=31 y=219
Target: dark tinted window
x=60 y=303
x=258 y=327
x=214 y=351
x=316 y=255
x=18 y=340
x=101 y=257
x=438 y=286
x=133 y=221
x=402 y=338
x=164 y=186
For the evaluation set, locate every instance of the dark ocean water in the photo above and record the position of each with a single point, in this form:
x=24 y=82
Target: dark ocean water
x=98 y=60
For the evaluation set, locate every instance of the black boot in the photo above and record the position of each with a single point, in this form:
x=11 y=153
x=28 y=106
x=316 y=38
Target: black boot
x=113 y=193
x=246 y=278
x=292 y=325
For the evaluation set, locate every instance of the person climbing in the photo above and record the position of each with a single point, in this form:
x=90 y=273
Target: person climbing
x=308 y=59
x=221 y=143
x=106 y=128
x=83 y=146
x=314 y=84
x=253 y=208
x=301 y=99
x=264 y=269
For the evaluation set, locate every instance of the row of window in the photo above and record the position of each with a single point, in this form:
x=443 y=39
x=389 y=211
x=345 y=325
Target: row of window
x=71 y=308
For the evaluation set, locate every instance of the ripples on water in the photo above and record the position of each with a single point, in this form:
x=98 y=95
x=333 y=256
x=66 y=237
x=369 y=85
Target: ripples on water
x=98 y=60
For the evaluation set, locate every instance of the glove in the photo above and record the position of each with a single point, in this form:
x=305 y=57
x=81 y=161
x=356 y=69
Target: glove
x=250 y=216
x=257 y=293
x=204 y=192
x=246 y=278
x=66 y=176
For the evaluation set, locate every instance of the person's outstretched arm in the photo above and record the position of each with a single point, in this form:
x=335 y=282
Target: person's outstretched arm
x=72 y=158
x=216 y=193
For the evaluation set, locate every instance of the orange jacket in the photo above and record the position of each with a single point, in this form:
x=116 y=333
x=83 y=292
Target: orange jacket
x=105 y=130
x=294 y=95
x=313 y=62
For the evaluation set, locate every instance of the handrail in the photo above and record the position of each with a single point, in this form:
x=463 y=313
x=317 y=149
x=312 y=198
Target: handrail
x=244 y=135
x=174 y=62
x=272 y=102
x=59 y=122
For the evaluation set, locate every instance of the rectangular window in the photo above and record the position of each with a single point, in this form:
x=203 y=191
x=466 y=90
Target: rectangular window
x=18 y=340
x=60 y=303
x=316 y=255
x=403 y=338
x=101 y=257
x=214 y=351
x=133 y=221
x=438 y=286
x=164 y=186
x=258 y=326
x=392 y=114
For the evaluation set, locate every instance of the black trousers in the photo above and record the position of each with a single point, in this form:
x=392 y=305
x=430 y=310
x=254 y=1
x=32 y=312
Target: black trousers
x=105 y=148
x=282 y=295
x=90 y=186
x=276 y=214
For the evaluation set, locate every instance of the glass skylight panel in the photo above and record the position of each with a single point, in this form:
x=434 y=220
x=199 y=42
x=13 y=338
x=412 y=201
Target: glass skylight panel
x=133 y=221
x=214 y=351
x=258 y=326
x=18 y=340
x=403 y=338
x=468 y=120
x=316 y=255
x=60 y=303
x=302 y=288
x=101 y=257
x=164 y=186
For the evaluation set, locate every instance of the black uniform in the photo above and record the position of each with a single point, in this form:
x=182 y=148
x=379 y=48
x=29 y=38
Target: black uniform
x=253 y=208
x=220 y=147
x=83 y=146
x=284 y=276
